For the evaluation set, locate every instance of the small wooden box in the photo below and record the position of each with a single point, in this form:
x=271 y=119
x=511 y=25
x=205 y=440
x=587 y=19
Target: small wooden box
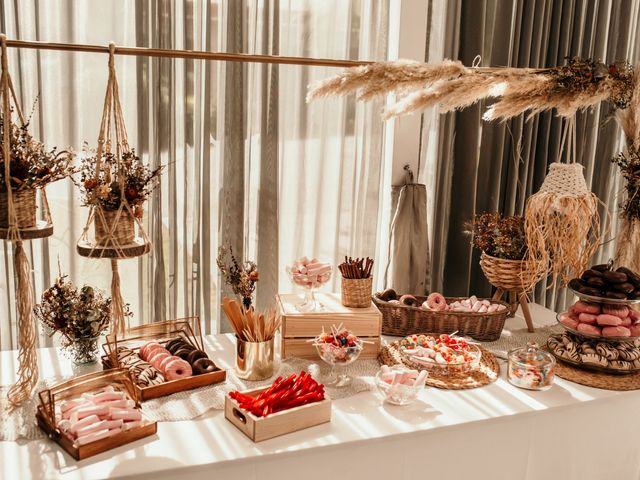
x=279 y=423
x=45 y=414
x=161 y=332
x=300 y=327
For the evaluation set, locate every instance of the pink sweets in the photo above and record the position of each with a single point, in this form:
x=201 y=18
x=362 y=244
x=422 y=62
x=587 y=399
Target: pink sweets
x=94 y=416
x=310 y=273
x=602 y=320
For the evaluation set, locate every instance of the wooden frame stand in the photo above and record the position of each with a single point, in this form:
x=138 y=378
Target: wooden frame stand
x=516 y=296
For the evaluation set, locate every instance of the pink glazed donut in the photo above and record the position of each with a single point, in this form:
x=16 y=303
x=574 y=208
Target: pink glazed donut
x=151 y=350
x=608 y=320
x=436 y=301
x=584 y=307
x=157 y=358
x=569 y=320
x=144 y=349
x=589 y=318
x=165 y=361
x=617 y=310
x=589 y=329
x=616 y=332
x=176 y=369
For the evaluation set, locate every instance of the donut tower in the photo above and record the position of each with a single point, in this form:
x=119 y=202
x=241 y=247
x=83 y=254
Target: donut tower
x=602 y=327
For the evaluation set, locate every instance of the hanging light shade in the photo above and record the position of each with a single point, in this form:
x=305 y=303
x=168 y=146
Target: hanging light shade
x=562 y=223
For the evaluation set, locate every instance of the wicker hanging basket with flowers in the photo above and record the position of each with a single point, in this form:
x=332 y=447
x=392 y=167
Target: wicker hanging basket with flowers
x=114 y=183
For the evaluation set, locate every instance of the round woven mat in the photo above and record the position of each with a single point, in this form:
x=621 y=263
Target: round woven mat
x=602 y=380
x=487 y=373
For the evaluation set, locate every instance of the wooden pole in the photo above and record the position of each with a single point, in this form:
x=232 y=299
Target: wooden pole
x=187 y=54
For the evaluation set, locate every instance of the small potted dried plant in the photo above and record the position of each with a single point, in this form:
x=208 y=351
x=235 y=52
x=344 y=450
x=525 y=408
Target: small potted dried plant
x=241 y=278
x=80 y=316
x=503 y=244
x=111 y=184
x=31 y=166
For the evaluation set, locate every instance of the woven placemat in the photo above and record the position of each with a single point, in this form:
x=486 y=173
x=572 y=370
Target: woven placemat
x=602 y=380
x=487 y=373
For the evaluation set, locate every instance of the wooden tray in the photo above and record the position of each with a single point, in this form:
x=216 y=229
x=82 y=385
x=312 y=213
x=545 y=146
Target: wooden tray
x=162 y=332
x=45 y=414
x=276 y=424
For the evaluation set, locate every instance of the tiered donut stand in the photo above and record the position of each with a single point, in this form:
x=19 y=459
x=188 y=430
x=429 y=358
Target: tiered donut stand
x=597 y=353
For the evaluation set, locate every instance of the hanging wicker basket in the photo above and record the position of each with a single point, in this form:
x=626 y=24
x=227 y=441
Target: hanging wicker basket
x=510 y=274
x=24 y=205
x=114 y=228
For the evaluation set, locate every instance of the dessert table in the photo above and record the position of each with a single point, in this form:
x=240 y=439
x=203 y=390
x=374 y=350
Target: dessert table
x=494 y=432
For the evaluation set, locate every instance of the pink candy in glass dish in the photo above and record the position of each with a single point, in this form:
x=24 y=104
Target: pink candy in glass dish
x=309 y=275
x=339 y=347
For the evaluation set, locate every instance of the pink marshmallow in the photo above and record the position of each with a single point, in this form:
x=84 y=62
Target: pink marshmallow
x=94 y=436
x=589 y=318
x=75 y=426
x=109 y=396
x=609 y=320
x=125 y=414
x=589 y=329
x=585 y=307
x=616 y=332
x=94 y=427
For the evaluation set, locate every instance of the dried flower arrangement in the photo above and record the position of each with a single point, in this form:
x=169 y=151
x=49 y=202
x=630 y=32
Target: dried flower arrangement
x=105 y=189
x=577 y=85
x=500 y=237
x=629 y=163
x=241 y=278
x=74 y=313
x=30 y=164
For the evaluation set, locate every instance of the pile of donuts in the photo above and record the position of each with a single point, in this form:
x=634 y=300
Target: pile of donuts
x=310 y=273
x=622 y=356
x=97 y=415
x=602 y=319
x=437 y=302
x=604 y=282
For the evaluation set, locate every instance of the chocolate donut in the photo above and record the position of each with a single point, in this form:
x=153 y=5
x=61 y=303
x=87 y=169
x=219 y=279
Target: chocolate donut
x=388 y=294
x=203 y=365
x=170 y=344
x=177 y=346
x=409 y=300
x=183 y=353
x=195 y=355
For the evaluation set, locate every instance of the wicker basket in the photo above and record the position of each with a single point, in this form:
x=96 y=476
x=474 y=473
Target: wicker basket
x=402 y=320
x=356 y=292
x=510 y=274
x=124 y=232
x=24 y=204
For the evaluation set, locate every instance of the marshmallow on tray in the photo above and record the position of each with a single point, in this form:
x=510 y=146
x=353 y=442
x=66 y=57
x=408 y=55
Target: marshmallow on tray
x=97 y=415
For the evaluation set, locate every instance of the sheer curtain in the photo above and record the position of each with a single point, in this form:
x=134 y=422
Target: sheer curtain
x=247 y=162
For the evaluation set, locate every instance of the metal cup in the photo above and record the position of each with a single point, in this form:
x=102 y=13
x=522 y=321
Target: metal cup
x=254 y=360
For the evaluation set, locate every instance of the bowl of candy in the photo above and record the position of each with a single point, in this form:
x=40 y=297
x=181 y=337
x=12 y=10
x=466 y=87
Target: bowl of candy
x=338 y=348
x=400 y=385
x=309 y=275
x=441 y=355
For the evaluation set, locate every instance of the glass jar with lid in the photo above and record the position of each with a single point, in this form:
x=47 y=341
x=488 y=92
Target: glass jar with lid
x=531 y=368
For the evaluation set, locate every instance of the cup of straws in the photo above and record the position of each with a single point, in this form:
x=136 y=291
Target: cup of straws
x=356 y=282
x=255 y=333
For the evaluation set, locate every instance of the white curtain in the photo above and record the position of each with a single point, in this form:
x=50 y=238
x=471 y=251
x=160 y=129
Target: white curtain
x=248 y=162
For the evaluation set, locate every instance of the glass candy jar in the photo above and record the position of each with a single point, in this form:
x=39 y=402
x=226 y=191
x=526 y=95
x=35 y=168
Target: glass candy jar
x=531 y=368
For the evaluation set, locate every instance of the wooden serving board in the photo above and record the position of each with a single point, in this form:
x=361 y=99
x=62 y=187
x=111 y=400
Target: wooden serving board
x=276 y=424
x=174 y=386
x=99 y=446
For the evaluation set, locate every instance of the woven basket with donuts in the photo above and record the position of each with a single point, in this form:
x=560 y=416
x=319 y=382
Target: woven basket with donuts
x=481 y=319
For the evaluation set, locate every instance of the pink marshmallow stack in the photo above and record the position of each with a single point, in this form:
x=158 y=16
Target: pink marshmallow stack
x=310 y=273
x=602 y=320
x=98 y=415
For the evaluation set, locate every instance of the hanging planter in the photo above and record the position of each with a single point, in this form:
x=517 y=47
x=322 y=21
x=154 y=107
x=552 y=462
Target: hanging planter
x=114 y=183
x=25 y=168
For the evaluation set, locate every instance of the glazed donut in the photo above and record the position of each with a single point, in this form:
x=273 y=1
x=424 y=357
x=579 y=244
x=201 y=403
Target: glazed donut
x=409 y=300
x=157 y=358
x=163 y=363
x=144 y=349
x=177 y=346
x=195 y=355
x=172 y=343
x=203 y=365
x=153 y=350
x=183 y=353
x=436 y=301
x=388 y=294
x=177 y=369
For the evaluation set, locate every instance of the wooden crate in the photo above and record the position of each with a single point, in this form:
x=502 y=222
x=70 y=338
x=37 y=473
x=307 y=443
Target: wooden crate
x=279 y=423
x=299 y=327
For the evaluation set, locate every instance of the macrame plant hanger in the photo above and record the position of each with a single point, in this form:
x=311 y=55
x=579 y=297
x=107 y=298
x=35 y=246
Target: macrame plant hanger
x=16 y=232
x=114 y=231
x=562 y=223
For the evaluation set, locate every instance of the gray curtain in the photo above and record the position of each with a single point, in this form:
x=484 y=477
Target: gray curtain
x=494 y=167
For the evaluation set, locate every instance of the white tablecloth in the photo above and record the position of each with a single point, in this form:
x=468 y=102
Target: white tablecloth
x=495 y=432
